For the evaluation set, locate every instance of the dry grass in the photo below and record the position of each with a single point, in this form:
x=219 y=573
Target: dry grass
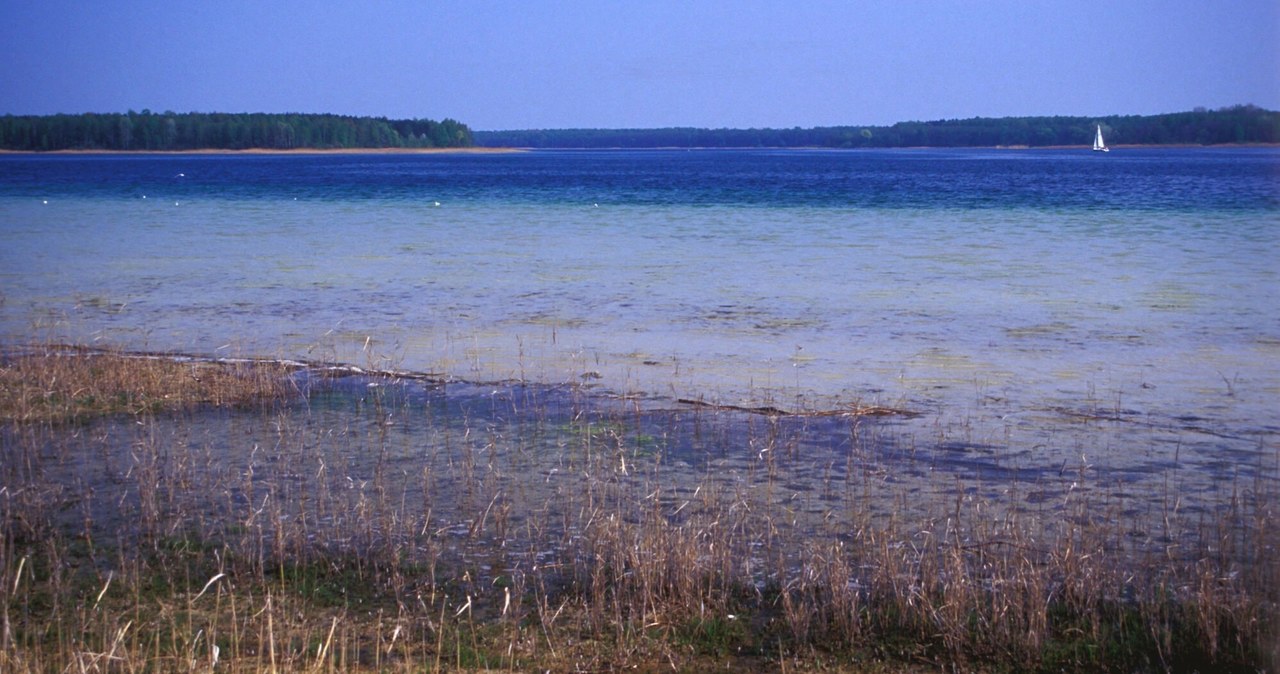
x=385 y=526
x=63 y=383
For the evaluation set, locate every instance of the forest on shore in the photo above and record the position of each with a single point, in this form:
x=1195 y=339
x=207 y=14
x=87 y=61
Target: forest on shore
x=169 y=131
x=1241 y=124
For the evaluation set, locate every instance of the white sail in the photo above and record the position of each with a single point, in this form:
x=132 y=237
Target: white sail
x=1098 y=145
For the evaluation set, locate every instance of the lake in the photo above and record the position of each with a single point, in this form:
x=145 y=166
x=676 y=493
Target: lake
x=1060 y=306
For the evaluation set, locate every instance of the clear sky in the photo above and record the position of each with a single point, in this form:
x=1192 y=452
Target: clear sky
x=654 y=63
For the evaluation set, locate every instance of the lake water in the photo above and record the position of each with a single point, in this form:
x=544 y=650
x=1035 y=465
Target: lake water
x=1120 y=310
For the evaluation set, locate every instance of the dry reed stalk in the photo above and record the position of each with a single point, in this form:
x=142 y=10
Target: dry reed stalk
x=67 y=383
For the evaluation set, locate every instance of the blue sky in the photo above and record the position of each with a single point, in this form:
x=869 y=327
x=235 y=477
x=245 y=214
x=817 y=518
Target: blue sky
x=604 y=64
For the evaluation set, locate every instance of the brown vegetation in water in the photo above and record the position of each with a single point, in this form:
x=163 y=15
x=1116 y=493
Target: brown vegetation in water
x=501 y=532
x=63 y=383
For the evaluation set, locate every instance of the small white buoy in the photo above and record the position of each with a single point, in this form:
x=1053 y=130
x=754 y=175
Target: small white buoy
x=45 y=201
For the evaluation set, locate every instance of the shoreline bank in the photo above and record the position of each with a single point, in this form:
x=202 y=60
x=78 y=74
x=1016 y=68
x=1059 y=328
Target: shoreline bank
x=478 y=150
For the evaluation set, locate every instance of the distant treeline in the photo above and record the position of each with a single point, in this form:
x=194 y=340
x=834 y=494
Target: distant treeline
x=224 y=131
x=229 y=131
x=1239 y=124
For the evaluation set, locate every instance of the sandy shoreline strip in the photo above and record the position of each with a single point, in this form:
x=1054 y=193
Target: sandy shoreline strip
x=296 y=151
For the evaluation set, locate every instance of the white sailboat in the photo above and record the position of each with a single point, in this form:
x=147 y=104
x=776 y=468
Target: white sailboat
x=1098 y=145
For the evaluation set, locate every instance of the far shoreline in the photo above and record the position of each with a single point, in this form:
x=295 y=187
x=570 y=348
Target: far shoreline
x=518 y=150
x=271 y=151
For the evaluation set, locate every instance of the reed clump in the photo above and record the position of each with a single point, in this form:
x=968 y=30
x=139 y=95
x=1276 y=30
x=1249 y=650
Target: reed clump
x=409 y=525
x=65 y=383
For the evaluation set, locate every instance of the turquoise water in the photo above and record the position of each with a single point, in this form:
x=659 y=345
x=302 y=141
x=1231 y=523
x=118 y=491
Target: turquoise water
x=1014 y=297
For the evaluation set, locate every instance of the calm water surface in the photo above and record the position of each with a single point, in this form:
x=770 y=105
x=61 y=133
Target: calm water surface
x=1012 y=296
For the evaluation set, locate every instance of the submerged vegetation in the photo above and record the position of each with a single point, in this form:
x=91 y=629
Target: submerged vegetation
x=339 y=523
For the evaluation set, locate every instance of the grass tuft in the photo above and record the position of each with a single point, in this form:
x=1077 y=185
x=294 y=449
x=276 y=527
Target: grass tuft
x=65 y=384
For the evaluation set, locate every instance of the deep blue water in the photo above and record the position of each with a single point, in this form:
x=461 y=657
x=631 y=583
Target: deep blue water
x=996 y=289
x=1198 y=179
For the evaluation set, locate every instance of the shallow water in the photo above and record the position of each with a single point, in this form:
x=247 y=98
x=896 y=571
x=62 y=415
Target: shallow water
x=495 y=476
x=1117 y=311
